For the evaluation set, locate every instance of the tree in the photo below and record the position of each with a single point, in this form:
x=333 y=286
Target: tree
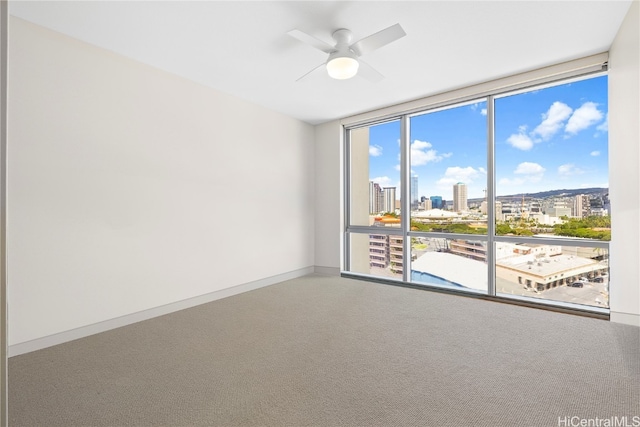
x=503 y=228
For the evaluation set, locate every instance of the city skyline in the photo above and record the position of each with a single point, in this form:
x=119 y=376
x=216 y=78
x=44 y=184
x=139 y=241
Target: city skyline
x=546 y=139
x=581 y=202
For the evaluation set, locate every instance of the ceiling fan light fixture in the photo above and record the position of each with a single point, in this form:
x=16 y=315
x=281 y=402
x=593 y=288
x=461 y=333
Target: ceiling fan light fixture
x=343 y=62
x=342 y=67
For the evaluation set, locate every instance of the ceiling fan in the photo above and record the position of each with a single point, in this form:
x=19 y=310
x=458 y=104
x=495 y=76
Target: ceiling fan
x=344 y=58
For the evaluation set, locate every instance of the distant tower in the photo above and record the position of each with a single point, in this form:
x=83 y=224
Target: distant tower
x=389 y=199
x=376 y=204
x=581 y=206
x=436 y=202
x=415 y=200
x=460 y=197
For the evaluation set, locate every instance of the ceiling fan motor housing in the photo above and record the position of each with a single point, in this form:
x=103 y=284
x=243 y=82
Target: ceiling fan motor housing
x=342 y=37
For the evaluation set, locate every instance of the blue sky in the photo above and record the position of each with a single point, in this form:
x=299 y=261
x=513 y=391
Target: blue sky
x=547 y=139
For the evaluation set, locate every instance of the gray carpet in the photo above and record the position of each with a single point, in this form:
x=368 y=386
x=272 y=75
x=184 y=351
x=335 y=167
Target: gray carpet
x=328 y=351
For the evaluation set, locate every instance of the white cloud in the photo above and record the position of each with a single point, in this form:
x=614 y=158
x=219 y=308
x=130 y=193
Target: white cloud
x=421 y=145
x=447 y=155
x=383 y=181
x=375 y=150
x=422 y=153
x=531 y=172
x=520 y=141
x=553 y=120
x=595 y=153
x=584 y=117
x=604 y=126
x=528 y=168
x=483 y=111
x=456 y=174
x=569 y=169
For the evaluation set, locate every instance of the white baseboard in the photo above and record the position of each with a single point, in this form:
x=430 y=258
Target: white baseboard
x=327 y=271
x=626 y=318
x=85 y=331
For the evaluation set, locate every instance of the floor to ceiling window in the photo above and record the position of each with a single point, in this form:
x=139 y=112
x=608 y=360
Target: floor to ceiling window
x=375 y=200
x=552 y=191
x=504 y=195
x=448 y=160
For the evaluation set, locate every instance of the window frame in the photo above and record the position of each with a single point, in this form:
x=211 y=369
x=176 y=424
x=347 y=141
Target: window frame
x=490 y=238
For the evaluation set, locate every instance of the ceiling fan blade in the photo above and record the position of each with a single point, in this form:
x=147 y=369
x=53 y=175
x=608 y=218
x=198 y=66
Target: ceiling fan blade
x=377 y=40
x=368 y=72
x=312 y=70
x=317 y=43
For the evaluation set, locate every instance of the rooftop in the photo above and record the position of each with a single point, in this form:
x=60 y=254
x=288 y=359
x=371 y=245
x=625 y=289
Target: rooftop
x=454 y=268
x=549 y=266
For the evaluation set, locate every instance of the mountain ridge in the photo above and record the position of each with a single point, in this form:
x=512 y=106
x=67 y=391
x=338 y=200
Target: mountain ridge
x=566 y=192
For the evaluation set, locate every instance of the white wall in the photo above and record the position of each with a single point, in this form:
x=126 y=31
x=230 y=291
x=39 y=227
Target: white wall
x=4 y=21
x=624 y=163
x=328 y=201
x=131 y=188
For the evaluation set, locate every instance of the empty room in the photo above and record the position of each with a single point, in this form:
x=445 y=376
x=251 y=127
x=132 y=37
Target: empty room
x=321 y=213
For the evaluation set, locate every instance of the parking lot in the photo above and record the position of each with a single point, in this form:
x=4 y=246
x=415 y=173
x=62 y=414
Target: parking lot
x=592 y=294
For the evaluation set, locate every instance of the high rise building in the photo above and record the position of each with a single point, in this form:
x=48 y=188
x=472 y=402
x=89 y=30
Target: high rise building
x=389 y=199
x=436 y=202
x=378 y=250
x=460 y=197
x=596 y=206
x=376 y=198
x=415 y=200
x=596 y=202
x=581 y=206
x=606 y=202
x=386 y=252
x=535 y=207
x=559 y=209
x=396 y=258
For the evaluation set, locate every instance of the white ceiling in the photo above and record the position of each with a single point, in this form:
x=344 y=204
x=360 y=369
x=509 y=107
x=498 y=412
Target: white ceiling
x=242 y=48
